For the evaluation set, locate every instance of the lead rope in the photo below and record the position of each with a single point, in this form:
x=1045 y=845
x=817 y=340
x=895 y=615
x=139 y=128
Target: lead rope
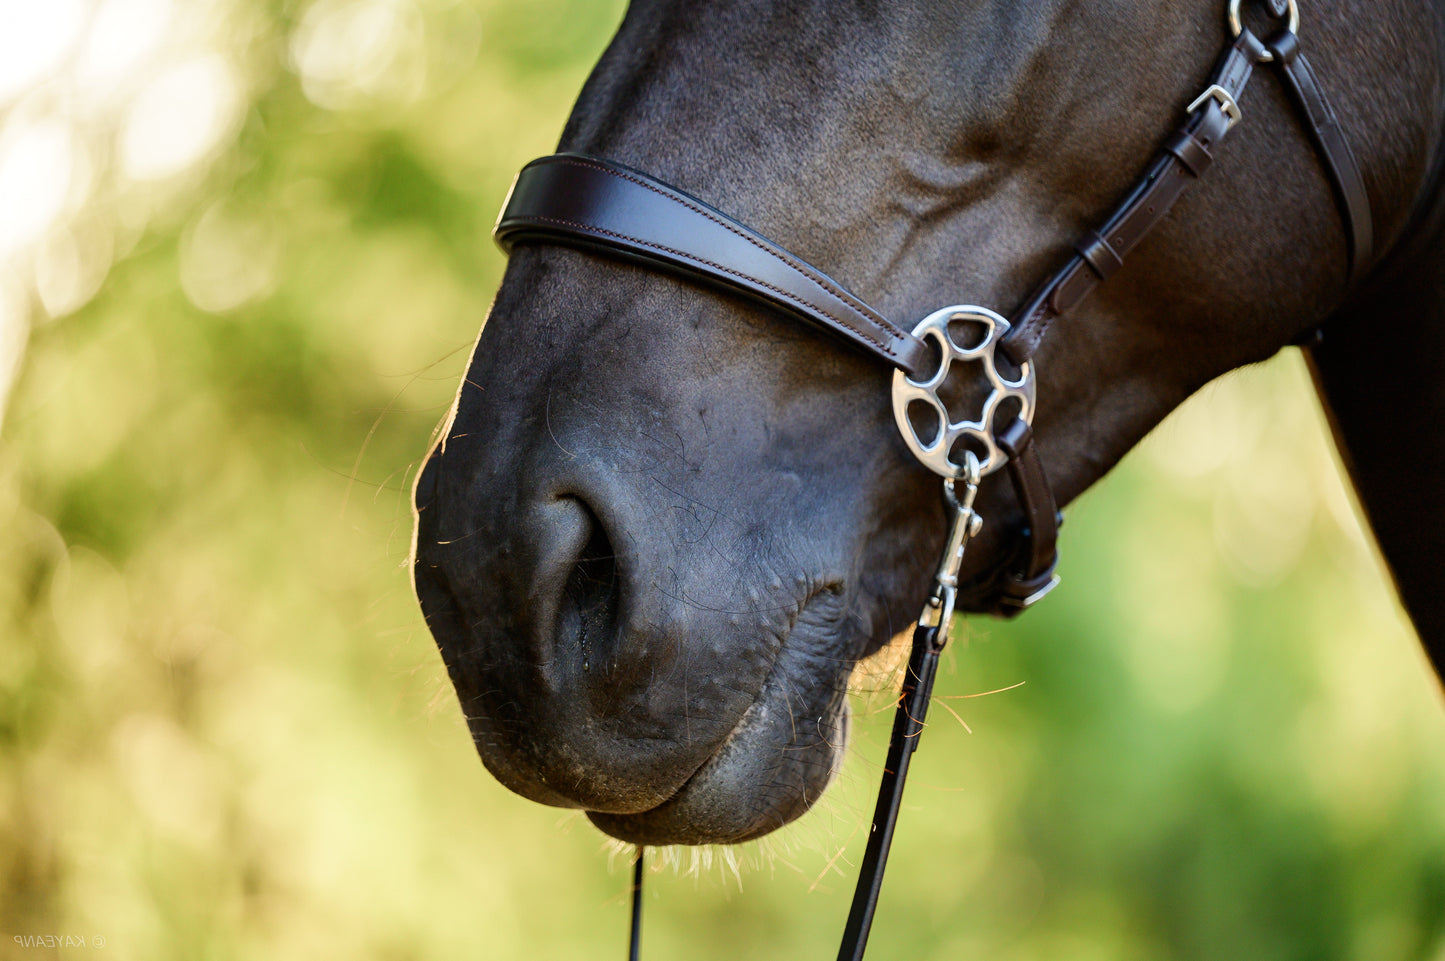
x=930 y=636
x=635 y=940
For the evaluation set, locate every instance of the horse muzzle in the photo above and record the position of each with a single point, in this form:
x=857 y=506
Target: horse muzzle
x=594 y=677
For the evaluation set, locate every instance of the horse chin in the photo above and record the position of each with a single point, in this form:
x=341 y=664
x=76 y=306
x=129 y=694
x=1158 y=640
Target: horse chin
x=749 y=788
x=778 y=760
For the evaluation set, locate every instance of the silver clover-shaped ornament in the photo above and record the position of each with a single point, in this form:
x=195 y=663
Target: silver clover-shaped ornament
x=943 y=451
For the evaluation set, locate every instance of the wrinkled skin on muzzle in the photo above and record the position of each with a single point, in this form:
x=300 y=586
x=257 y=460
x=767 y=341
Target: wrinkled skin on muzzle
x=662 y=524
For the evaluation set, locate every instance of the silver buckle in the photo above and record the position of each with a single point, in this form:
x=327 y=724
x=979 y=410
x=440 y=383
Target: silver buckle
x=1226 y=101
x=1039 y=594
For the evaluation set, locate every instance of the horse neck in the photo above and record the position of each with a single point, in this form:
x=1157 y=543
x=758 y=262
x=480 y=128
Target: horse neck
x=1376 y=367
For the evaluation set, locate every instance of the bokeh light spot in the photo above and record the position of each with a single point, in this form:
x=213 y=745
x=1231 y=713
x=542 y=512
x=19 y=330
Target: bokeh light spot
x=171 y=778
x=122 y=35
x=350 y=52
x=71 y=264
x=228 y=258
x=35 y=169
x=35 y=36
x=180 y=117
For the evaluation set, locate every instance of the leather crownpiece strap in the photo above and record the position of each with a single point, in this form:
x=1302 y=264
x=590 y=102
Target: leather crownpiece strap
x=580 y=200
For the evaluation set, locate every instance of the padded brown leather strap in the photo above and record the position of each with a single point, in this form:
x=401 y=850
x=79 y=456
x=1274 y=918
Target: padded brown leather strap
x=1329 y=138
x=1184 y=157
x=594 y=203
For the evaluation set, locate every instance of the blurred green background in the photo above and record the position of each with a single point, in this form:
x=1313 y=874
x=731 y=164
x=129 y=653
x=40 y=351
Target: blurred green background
x=243 y=255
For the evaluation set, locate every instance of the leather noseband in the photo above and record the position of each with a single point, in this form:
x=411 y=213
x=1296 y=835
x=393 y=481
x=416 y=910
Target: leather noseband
x=601 y=205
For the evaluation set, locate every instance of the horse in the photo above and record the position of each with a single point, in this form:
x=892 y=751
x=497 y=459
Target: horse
x=661 y=522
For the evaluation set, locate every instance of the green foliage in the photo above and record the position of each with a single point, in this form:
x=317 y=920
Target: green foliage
x=225 y=733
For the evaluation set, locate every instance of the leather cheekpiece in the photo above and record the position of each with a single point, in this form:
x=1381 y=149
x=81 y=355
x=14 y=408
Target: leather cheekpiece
x=1191 y=153
x=1184 y=157
x=1181 y=159
x=1032 y=572
x=1329 y=139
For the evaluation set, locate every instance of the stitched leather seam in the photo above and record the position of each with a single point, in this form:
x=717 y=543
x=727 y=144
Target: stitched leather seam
x=731 y=228
x=683 y=255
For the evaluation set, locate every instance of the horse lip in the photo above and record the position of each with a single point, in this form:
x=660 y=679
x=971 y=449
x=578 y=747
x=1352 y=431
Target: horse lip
x=671 y=821
x=442 y=605
x=791 y=649
x=687 y=783
x=702 y=766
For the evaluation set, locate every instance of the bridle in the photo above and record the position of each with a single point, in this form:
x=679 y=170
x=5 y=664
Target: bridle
x=588 y=202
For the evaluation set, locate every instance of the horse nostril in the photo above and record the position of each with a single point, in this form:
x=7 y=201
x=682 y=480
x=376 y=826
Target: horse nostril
x=591 y=599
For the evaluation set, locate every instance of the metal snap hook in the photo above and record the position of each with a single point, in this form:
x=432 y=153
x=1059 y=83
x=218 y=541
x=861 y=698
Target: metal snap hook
x=963 y=527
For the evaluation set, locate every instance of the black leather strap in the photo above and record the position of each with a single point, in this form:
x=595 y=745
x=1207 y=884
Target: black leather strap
x=595 y=203
x=908 y=721
x=634 y=940
x=1330 y=140
x=1181 y=160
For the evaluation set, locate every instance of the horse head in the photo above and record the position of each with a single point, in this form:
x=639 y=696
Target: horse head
x=662 y=523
